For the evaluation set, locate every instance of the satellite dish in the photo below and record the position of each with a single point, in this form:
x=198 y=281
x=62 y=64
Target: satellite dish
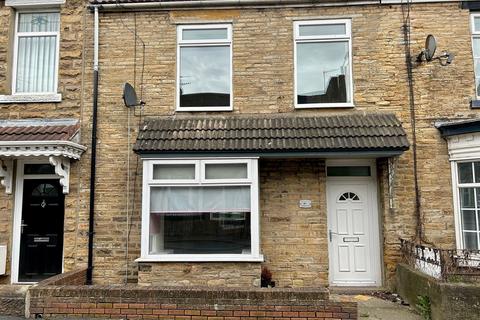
x=430 y=47
x=130 y=96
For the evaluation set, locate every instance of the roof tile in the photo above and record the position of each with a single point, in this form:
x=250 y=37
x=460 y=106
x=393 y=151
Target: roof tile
x=272 y=133
x=38 y=130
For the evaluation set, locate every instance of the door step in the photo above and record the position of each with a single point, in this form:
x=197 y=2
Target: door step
x=356 y=290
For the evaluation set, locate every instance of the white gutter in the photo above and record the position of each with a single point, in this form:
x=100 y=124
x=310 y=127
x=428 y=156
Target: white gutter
x=160 y=5
x=64 y=148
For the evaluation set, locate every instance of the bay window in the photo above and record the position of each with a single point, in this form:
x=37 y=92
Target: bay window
x=36 y=53
x=200 y=210
x=468 y=188
x=323 y=64
x=204 y=68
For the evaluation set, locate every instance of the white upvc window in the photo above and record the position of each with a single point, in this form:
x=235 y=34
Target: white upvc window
x=36 y=52
x=323 y=64
x=475 y=29
x=204 y=67
x=200 y=210
x=467 y=193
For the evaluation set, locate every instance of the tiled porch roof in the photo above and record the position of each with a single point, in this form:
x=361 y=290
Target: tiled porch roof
x=38 y=130
x=273 y=133
x=40 y=137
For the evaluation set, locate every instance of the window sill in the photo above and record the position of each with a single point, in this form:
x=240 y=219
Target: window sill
x=201 y=258
x=30 y=3
x=31 y=98
x=324 y=105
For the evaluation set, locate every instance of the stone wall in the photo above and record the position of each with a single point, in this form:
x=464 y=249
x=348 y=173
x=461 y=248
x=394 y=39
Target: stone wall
x=294 y=240
x=207 y=274
x=448 y=300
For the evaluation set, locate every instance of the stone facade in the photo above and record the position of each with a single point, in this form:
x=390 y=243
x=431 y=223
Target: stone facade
x=263 y=83
x=205 y=274
x=293 y=240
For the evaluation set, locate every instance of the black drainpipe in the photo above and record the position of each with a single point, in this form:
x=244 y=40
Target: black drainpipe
x=93 y=163
x=93 y=159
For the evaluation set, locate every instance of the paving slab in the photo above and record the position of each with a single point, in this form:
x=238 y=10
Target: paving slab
x=373 y=308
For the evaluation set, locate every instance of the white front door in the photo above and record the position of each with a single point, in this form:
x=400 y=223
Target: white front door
x=354 y=248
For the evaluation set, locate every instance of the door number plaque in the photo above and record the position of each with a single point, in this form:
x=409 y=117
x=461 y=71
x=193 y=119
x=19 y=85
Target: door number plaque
x=305 y=203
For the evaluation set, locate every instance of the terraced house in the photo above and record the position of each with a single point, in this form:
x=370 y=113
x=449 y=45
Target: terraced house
x=306 y=137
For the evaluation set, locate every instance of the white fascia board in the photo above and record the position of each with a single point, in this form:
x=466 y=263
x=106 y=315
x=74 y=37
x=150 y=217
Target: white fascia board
x=67 y=149
x=33 y=3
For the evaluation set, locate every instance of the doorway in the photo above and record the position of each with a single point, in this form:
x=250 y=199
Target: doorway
x=39 y=224
x=353 y=227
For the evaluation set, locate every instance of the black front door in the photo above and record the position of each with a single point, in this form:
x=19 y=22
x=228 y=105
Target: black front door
x=41 y=240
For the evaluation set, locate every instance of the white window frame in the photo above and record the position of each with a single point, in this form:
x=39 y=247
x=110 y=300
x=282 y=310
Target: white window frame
x=32 y=34
x=456 y=198
x=204 y=43
x=248 y=163
x=252 y=181
x=475 y=35
x=153 y=181
x=29 y=3
x=347 y=37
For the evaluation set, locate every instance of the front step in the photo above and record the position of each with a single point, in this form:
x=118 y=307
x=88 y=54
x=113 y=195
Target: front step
x=12 y=299
x=356 y=290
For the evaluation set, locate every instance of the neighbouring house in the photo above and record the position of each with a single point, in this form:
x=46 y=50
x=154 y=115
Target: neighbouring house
x=301 y=136
x=41 y=101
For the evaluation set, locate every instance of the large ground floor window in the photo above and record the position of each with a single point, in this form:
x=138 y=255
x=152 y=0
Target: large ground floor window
x=200 y=210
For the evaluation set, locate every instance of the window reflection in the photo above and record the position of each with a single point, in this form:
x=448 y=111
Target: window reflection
x=322 y=69
x=205 y=76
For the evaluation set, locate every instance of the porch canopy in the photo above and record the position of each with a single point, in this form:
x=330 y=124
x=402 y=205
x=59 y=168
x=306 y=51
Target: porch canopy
x=55 y=139
x=349 y=135
x=463 y=138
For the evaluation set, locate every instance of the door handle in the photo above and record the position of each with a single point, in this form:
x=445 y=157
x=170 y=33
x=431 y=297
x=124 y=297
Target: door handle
x=330 y=234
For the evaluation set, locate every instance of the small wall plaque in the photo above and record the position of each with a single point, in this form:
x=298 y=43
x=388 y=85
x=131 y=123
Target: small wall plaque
x=305 y=203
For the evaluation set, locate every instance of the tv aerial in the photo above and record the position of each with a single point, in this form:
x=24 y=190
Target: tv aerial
x=428 y=53
x=130 y=96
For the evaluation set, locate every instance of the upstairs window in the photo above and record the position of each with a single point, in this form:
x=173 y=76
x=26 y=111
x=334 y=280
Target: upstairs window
x=475 y=26
x=36 y=52
x=323 y=64
x=204 y=68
